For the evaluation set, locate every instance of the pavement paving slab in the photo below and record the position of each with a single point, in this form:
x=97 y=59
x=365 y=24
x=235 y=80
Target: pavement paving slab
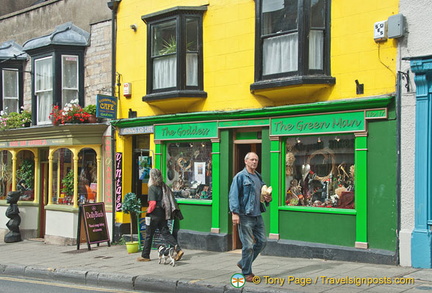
x=203 y=271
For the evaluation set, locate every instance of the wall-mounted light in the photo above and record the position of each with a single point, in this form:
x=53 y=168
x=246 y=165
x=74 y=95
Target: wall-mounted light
x=319 y=139
x=133 y=27
x=298 y=140
x=132 y=114
x=359 y=88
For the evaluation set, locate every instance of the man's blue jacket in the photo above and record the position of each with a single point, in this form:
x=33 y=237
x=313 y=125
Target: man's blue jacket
x=242 y=193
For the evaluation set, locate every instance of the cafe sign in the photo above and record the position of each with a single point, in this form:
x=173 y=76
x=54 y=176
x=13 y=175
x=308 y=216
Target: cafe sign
x=106 y=107
x=323 y=123
x=186 y=130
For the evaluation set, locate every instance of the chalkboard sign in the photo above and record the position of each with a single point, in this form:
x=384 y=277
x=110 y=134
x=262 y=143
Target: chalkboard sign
x=93 y=218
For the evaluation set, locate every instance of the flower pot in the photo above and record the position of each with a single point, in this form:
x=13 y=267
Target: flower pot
x=92 y=119
x=132 y=247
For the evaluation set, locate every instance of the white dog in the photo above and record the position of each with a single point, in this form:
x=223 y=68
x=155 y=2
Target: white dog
x=166 y=253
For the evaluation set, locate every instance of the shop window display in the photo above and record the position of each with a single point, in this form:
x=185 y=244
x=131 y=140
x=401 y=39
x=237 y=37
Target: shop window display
x=319 y=171
x=25 y=175
x=189 y=169
x=5 y=173
x=87 y=180
x=63 y=177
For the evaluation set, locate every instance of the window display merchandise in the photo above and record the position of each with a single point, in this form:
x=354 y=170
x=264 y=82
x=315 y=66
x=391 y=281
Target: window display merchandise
x=319 y=171
x=189 y=169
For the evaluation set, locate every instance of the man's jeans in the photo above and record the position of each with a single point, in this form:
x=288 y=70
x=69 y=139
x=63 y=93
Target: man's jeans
x=253 y=239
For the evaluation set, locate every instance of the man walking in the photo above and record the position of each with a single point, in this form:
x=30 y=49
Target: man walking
x=247 y=199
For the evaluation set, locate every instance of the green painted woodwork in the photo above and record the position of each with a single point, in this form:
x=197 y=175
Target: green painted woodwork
x=316 y=124
x=196 y=217
x=247 y=135
x=333 y=229
x=216 y=185
x=226 y=154
x=360 y=159
x=266 y=168
x=275 y=182
x=327 y=106
x=203 y=202
x=186 y=131
x=243 y=123
x=382 y=185
x=158 y=157
x=374 y=114
x=318 y=210
x=373 y=221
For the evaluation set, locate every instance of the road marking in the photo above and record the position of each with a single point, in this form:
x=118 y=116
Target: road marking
x=66 y=285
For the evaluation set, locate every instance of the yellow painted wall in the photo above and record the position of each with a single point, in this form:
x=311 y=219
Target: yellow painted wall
x=229 y=39
x=229 y=32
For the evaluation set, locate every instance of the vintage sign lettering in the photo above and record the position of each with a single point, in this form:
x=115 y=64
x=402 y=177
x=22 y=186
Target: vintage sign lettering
x=326 y=123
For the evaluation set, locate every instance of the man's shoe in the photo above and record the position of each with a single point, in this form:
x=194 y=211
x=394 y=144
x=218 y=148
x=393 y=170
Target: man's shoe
x=239 y=266
x=179 y=255
x=249 y=278
x=143 y=259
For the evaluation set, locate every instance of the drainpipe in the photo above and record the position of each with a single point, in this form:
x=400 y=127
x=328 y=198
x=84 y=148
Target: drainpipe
x=113 y=5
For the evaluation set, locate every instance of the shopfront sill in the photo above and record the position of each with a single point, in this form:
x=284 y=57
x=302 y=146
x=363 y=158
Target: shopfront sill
x=20 y=203
x=318 y=210
x=195 y=201
x=61 y=208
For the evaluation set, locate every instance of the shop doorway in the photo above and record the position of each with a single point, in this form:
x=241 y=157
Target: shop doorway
x=240 y=151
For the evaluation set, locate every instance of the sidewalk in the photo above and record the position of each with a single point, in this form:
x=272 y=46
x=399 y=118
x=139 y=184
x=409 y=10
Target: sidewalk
x=200 y=271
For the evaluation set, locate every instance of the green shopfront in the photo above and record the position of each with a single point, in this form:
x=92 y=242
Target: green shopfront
x=332 y=166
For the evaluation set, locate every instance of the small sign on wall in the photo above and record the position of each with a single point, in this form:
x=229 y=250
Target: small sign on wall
x=106 y=107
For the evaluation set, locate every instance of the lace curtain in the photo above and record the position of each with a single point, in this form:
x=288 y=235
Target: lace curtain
x=44 y=80
x=10 y=90
x=280 y=54
x=165 y=71
x=316 y=48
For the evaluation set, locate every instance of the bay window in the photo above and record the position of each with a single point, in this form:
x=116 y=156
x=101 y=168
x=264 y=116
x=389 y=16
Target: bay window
x=292 y=42
x=58 y=69
x=174 y=53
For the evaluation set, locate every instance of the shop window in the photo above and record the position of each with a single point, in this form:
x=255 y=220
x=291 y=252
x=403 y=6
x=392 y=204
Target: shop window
x=189 y=169
x=292 y=41
x=25 y=175
x=63 y=177
x=87 y=180
x=174 y=55
x=5 y=173
x=319 y=171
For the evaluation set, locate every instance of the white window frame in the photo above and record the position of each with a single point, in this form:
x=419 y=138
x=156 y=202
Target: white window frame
x=5 y=97
x=43 y=108
x=66 y=98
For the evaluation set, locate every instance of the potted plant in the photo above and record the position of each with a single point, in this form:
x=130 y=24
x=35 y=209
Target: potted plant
x=68 y=186
x=131 y=205
x=15 y=119
x=71 y=113
x=91 y=110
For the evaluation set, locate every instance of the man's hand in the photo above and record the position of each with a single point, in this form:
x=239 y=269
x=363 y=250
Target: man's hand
x=268 y=197
x=235 y=219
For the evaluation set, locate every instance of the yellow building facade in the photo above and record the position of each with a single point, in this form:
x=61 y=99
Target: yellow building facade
x=302 y=78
